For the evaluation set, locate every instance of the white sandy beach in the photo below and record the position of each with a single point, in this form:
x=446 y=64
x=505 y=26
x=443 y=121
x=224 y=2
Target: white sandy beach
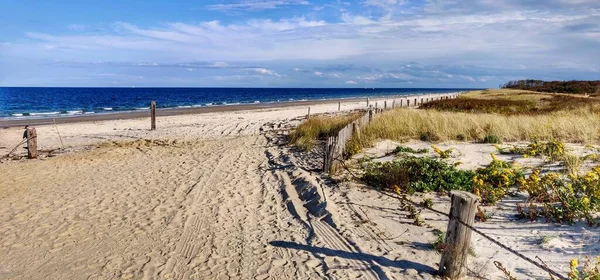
x=219 y=196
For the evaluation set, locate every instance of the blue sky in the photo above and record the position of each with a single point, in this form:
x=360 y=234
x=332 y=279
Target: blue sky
x=297 y=43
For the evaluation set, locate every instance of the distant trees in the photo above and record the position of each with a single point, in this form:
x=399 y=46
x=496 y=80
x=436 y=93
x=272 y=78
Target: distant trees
x=579 y=87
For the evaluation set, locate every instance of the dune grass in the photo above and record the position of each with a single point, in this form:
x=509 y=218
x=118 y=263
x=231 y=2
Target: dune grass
x=307 y=134
x=577 y=126
x=502 y=115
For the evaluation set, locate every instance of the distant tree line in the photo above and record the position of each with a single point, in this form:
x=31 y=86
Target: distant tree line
x=580 y=87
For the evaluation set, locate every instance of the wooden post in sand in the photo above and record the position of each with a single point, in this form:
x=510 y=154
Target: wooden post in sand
x=367 y=102
x=153 y=115
x=393 y=103
x=385 y=104
x=308 y=114
x=31 y=143
x=339 y=106
x=370 y=115
x=458 y=236
x=356 y=130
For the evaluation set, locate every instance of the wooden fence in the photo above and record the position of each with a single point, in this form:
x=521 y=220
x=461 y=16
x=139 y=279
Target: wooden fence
x=335 y=146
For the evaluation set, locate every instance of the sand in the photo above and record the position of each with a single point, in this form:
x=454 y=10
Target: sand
x=220 y=196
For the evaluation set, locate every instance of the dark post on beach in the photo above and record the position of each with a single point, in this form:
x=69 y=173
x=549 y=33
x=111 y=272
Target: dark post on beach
x=153 y=115
x=31 y=142
x=458 y=235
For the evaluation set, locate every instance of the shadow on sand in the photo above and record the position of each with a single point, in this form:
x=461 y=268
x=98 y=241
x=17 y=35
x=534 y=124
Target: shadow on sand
x=402 y=264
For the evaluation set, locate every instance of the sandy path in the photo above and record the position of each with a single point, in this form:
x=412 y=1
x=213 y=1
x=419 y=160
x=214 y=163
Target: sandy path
x=225 y=200
x=148 y=210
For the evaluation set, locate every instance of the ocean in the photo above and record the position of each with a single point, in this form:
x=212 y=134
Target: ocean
x=40 y=102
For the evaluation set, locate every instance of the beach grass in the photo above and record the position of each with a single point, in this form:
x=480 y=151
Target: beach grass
x=579 y=126
x=307 y=134
x=503 y=115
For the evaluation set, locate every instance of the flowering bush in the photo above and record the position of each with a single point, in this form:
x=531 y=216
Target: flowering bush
x=566 y=199
x=588 y=271
x=552 y=149
x=494 y=181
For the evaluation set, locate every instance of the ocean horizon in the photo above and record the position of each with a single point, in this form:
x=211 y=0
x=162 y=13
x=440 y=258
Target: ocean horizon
x=40 y=102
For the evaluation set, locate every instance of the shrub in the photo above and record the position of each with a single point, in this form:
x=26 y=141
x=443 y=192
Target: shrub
x=565 y=199
x=403 y=149
x=494 y=181
x=493 y=139
x=553 y=149
x=414 y=174
x=461 y=137
x=443 y=154
x=589 y=270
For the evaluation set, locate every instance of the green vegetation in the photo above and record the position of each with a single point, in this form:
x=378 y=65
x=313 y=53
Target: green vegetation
x=574 y=119
x=588 y=271
x=413 y=174
x=409 y=150
x=578 y=87
x=306 y=135
x=565 y=198
x=553 y=149
x=439 y=243
x=492 y=139
x=443 y=154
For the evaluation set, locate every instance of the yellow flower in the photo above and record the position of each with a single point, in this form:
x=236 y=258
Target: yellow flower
x=573 y=264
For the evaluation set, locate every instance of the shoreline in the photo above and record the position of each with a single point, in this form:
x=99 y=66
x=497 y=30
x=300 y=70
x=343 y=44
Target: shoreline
x=164 y=112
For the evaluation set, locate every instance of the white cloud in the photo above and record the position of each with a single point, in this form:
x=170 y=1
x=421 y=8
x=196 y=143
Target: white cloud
x=264 y=71
x=489 y=34
x=351 y=82
x=256 y=5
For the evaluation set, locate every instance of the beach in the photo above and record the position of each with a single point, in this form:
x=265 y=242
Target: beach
x=220 y=195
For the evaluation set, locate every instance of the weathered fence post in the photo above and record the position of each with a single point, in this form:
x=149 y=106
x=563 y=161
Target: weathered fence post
x=458 y=236
x=370 y=116
x=367 y=102
x=421 y=100
x=356 y=130
x=153 y=115
x=393 y=103
x=339 y=106
x=308 y=114
x=31 y=143
x=376 y=103
x=385 y=104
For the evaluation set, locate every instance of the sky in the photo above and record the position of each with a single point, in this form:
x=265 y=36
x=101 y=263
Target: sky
x=297 y=43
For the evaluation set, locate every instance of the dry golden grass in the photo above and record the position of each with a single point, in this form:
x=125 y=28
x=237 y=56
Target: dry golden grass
x=403 y=124
x=306 y=135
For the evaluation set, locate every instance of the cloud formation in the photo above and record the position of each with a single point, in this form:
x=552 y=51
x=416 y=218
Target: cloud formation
x=376 y=42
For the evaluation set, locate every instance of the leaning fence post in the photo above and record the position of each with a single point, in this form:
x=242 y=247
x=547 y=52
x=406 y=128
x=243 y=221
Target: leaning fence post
x=31 y=143
x=356 y=130
x=458 y=236
x=153 y=115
